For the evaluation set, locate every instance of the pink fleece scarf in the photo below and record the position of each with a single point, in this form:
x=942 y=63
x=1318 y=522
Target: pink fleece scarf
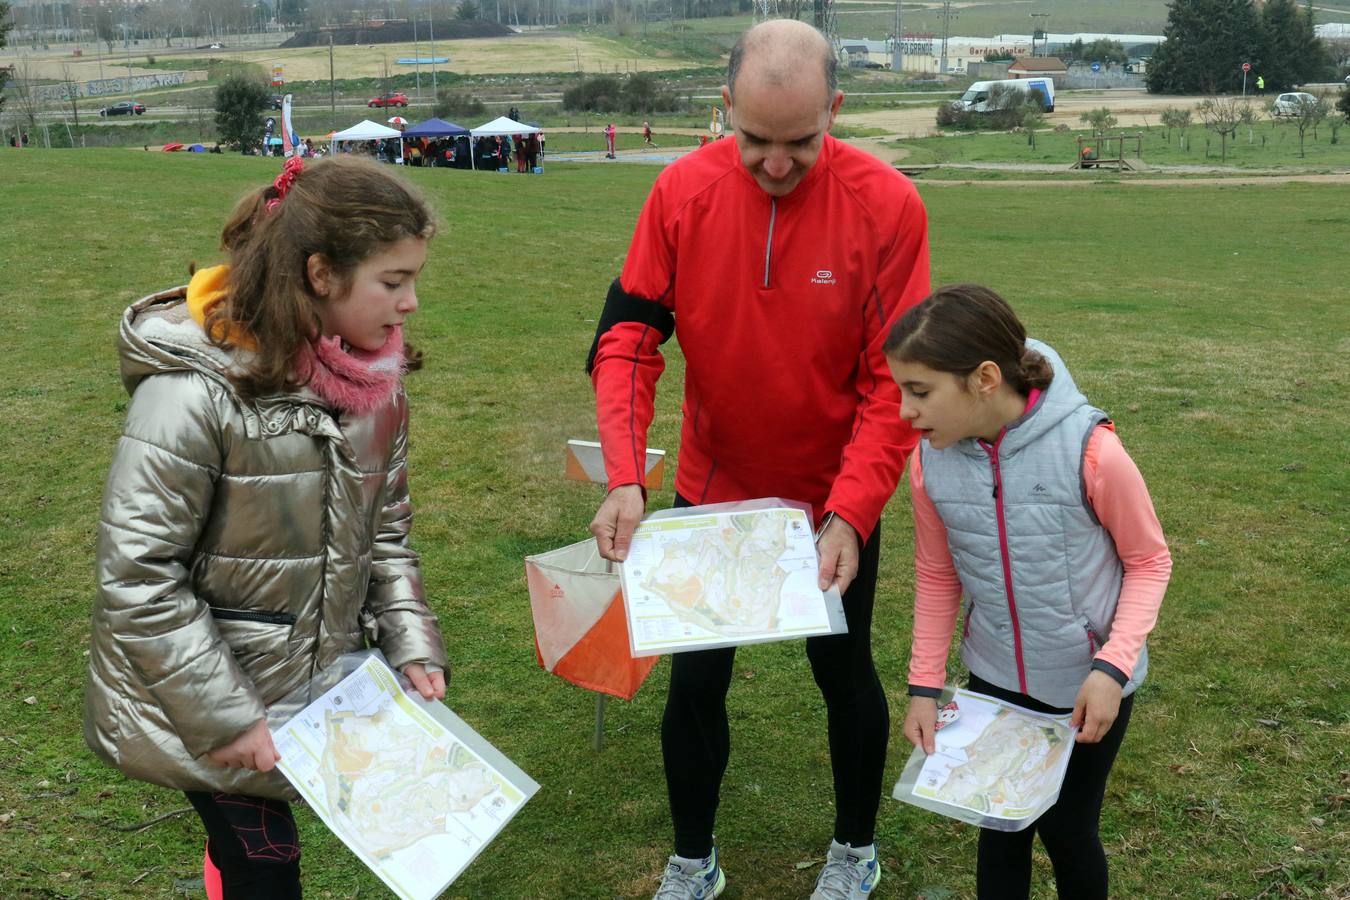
x=352 y=380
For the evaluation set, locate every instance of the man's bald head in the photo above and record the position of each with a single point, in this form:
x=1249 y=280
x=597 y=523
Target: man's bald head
x=774 y=51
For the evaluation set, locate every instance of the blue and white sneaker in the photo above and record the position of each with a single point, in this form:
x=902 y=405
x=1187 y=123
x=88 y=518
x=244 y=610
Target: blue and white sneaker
x=692 y=879
x=848 y=874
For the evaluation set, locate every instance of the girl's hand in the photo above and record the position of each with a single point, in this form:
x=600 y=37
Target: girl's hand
x=921 y=723
x=251 y=749
x=1094 y=712
x=431 y=685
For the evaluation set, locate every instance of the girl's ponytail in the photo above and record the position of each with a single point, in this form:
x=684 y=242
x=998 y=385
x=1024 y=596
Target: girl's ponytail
x=1033 y=371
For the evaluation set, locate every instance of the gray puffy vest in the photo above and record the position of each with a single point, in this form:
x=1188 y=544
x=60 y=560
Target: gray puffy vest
x=1018 y=512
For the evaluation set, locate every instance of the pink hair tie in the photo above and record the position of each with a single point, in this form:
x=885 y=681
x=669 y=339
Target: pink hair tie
x=289 y=173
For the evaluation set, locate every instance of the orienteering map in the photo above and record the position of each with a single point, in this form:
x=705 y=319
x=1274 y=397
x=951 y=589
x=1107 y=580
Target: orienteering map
x=721 y=579
x=994 y=762
x=405 y=792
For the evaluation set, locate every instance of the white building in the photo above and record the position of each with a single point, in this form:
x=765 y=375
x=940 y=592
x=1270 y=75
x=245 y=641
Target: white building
x=922 y=53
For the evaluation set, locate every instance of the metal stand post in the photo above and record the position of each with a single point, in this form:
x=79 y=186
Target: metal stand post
x=598 y=741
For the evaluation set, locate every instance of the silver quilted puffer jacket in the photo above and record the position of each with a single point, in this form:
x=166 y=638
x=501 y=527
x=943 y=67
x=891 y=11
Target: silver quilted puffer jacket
x=242 y=546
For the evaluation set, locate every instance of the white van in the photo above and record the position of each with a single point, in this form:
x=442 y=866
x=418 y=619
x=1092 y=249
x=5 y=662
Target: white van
x=977 y=96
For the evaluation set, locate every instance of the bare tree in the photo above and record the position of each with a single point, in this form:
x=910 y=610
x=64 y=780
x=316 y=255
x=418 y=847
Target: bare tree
x=24 y=89
x=1249 y=115
x=1099 y=120
x=1033 y=116
x=1221 y=115
x=1335 y=121
x=1178 y=118
x=1310 y=115
x=72 y=93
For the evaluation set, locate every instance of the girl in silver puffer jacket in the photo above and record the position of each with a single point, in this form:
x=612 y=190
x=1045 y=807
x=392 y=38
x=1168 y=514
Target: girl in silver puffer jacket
x=255 y=523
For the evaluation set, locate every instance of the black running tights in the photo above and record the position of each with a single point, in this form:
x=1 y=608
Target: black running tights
x=253 y=842
x=1068 y=829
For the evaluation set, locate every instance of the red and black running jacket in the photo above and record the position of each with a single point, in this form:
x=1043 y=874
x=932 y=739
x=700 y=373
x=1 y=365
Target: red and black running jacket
x=781 y=306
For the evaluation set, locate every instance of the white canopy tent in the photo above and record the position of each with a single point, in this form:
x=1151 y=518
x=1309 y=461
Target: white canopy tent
x=366 y=130
x=502 y=126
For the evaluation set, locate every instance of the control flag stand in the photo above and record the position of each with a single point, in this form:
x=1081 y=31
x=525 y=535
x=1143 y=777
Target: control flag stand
x=581 y=631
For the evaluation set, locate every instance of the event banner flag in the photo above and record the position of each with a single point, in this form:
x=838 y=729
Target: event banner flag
x=289 y=142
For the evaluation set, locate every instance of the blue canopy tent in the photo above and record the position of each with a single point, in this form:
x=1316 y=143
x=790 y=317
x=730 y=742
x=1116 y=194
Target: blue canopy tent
x=434 y=128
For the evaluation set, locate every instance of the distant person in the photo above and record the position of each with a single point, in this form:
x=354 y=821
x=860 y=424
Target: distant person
x=609 y=141
x=702 y=140
x=533 y=148
x=647 y=134
x=779 y=260
x=513 y=114
x=521 y=156
x=1015 y=465
x=255 y=522
x=1261 y=83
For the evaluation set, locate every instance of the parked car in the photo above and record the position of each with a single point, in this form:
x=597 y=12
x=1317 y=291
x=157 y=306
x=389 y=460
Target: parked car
x=395 y=99
x=123 y=108
x=1292 y=103
x=275 y=101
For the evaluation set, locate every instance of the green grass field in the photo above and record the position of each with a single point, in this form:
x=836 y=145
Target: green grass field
x=1209 y=320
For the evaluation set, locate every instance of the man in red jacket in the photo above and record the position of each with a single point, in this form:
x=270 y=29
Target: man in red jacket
x=782 y=258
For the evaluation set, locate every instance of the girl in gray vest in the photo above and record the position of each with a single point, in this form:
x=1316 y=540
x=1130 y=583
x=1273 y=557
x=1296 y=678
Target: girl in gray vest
x=1027 y=505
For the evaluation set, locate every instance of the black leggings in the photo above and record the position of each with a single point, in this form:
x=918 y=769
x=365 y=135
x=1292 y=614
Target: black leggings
x=254 y=844
x=1068 y=829
x=696 y=740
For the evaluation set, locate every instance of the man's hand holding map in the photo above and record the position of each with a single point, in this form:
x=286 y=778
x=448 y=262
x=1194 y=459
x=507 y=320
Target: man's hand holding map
x=724 y=575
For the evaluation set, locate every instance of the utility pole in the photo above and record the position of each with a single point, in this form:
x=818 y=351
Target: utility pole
x=946 y=32
x=431 y=29
x=897 y=48
x=332 y=89
x=417 y=57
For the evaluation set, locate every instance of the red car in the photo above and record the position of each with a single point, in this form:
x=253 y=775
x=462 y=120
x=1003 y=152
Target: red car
x=394 y=99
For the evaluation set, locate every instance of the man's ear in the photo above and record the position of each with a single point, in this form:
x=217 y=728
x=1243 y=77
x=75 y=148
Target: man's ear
x=320 y=274
x=837 y=102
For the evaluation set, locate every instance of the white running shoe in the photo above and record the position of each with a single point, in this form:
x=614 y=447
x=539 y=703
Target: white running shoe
x=692 y=879
x=847 y=875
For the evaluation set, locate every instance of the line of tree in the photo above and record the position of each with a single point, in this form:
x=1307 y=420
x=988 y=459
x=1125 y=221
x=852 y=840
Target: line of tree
x=1102 y=50
x=1209 y=40
x=637 y=93
x=176 y=21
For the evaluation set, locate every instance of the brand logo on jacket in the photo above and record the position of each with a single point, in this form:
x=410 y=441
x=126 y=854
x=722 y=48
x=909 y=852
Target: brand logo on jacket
x=1038 y=489
x=823 y=276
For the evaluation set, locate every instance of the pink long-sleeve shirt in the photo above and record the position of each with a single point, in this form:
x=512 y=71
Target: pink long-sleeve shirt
x=1121 y=502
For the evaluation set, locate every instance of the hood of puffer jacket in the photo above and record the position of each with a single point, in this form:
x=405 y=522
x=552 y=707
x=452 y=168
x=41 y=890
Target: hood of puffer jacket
x=158 y=334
